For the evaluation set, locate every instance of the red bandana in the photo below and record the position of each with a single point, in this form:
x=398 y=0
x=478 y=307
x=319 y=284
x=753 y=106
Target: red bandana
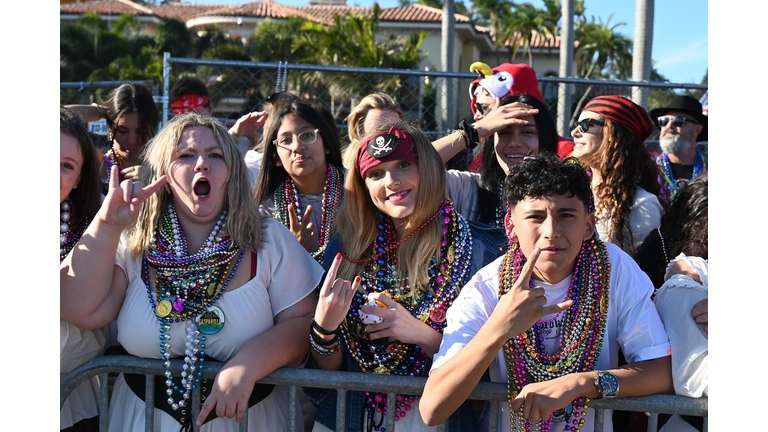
x=394 y=144
x=188 y=103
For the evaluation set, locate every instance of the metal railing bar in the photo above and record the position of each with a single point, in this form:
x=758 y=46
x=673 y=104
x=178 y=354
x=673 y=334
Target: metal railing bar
x=599 y=418
x=355 y=381
x=149 y=402
x=341 y=410
x=292 y=408
x=493 y=416
x=653 y=422
x=103 y=402
x=81 y=85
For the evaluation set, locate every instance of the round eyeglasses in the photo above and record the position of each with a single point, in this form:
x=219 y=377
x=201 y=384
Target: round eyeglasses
x=306 y=137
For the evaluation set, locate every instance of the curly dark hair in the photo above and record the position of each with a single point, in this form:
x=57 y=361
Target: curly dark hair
x=625 y=164
x=685 y=225
x=546 y=175
x=684 y=229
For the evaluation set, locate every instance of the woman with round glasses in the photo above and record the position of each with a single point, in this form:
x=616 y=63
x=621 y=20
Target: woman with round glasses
x=409 y=254
x=609 y=140
x=301 y=182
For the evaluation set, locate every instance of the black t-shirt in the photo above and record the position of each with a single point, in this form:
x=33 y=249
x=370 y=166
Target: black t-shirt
x=680 y=171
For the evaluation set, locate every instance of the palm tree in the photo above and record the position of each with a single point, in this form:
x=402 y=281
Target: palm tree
x=602 y=50
x=641 y=61
x=520 y=27
x=351 y=41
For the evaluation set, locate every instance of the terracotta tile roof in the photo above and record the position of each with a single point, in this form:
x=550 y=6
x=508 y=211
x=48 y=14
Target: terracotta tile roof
x=183 y=11
x=259 y=9
x=412 y=13
x=106 y=7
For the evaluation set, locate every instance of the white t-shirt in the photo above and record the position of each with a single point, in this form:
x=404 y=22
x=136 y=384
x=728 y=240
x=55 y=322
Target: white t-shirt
x=632 y=324
x=461 y=188
x=253 y=162
x=643 y=218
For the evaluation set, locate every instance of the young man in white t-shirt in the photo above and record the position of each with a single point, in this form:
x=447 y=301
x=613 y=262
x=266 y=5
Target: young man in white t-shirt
x=545 y=314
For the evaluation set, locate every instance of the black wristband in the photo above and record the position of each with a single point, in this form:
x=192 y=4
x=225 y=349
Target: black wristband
x=321 y=330
x=323 y=343
x=470 y=133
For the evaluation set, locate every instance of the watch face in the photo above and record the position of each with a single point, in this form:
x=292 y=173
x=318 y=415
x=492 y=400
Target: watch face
x=609 y=383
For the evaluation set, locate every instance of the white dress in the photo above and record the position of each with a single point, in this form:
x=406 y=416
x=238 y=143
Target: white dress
x=77 y=346
x=285 y=274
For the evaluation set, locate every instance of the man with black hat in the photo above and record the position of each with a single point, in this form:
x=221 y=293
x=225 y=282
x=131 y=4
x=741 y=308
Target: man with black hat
x=682 y=124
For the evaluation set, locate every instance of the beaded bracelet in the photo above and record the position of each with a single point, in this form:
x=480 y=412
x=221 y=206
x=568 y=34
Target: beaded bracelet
x=320 y=341
x=463 y=135
x=323 y=351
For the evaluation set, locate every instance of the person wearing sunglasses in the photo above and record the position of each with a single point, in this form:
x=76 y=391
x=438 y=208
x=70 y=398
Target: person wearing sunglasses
x=505 y=79
x=609 y=138
x=301 y=181
x=682 y=125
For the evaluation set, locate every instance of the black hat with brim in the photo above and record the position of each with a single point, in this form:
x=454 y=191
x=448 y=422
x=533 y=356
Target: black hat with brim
x=688 y=105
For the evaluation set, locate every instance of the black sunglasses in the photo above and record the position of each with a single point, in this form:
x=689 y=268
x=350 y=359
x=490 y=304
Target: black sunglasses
x=676 y=121
x=482 y=108
x=585 y=124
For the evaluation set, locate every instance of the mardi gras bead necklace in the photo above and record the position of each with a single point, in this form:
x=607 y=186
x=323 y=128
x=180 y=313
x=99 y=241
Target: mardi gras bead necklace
x=111 y=157
x=333 y=195
x=669 y=184
x=187 y=288
x=447 y=274
x=583 y=327
x=501 y=210
x=68 y=237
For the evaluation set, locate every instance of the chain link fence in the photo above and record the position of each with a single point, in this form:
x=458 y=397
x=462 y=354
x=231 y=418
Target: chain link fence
x=240 y=87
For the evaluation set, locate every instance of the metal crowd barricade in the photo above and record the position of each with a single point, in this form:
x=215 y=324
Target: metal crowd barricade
x=348 y=381
x=97 y=89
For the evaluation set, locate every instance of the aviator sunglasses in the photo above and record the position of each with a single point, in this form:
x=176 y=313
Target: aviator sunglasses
x=585 y=124
x=676 y=121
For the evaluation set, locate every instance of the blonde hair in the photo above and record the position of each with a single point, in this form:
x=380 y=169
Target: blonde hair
x=243 y=223
x=356 y=119
x=356 y=220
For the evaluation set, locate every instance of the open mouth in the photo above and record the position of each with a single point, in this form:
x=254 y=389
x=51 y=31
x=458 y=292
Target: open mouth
x=202 y=188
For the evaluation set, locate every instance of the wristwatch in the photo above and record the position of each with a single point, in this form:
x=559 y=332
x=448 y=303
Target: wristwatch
x=607 y=384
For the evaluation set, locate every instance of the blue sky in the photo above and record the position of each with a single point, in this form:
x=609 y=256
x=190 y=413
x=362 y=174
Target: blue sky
x=680 y=33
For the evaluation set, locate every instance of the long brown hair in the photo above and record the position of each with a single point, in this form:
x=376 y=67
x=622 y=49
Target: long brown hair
x=624 y=164
x=86 y=197
x=356 y=220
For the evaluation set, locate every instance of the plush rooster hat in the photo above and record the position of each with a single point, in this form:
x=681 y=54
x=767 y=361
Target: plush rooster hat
x=504 y=79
